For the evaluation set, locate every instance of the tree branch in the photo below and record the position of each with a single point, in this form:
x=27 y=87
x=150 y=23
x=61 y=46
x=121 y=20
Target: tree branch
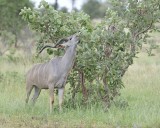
x=145 y=30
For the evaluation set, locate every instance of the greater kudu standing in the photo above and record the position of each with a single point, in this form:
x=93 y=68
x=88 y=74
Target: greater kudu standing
x=54 y=73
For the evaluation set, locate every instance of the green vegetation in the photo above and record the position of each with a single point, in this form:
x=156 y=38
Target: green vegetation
x=106 y=50
x=137 y=106
x=100 y=10
x=117 y=90
x=11 y=23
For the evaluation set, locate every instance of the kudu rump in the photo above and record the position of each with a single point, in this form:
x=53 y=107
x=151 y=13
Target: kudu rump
x=52 y=74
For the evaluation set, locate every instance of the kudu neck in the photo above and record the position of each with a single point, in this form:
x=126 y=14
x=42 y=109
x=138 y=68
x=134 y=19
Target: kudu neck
x=69 y=55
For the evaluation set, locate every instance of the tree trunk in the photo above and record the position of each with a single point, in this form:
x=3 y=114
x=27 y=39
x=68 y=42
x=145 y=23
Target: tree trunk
x=84 y=90
x=56 y=5
x=73 y=2
x=16 y=40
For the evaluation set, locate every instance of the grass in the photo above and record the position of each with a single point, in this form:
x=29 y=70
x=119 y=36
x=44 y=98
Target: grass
x=141 y=92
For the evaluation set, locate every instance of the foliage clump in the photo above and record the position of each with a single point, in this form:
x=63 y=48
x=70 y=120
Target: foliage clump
x=11 y=23
x=106 y=50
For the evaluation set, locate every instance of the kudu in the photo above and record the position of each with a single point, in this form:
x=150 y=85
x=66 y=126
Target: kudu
x=52 y=74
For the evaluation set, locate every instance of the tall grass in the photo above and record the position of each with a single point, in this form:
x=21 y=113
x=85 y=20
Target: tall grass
x=138 y=106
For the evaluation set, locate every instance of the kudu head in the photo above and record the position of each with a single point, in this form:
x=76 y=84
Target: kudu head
x=72 y=40
x=64 y=43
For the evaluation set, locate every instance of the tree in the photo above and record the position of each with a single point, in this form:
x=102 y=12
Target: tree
x=10 y=19
x=55 y=5
x=64 y=9
x=106 y=49
x=94 y=8
x=73 y=3
x=6 y=41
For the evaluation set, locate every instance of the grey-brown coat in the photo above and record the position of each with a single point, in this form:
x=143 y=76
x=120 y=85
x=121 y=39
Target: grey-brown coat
x=52 y=74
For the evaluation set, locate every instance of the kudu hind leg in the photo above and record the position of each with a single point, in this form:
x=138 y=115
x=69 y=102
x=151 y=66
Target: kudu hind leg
x=28 y=90
x=36 y=94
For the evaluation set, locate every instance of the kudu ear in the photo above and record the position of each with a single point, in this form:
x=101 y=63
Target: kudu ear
x=67 y=42
x=60 y=42
x=63 y=43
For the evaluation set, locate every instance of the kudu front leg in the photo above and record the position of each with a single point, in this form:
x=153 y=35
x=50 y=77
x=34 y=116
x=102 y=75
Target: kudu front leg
x=60 y=97
x=51 y=93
